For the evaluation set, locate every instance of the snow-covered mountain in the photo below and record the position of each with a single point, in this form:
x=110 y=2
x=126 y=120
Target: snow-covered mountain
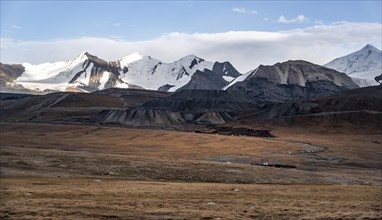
x=153 y=74
x=83 y=72
x=90 y=73
x=363 y=65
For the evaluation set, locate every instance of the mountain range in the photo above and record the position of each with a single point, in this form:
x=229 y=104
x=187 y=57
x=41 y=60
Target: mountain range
x=88 y=73
x=188 y=92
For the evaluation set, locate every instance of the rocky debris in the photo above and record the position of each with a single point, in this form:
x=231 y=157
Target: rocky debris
x=267 y=164
x=242 y=132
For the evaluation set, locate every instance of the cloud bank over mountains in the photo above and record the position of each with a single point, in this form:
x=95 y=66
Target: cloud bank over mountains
x=244 y=49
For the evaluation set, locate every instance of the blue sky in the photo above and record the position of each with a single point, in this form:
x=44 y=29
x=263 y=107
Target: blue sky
x=26 y=23
x=142 y=20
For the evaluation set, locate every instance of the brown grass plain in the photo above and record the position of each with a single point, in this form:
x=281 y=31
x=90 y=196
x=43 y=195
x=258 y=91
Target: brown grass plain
x=63 y=171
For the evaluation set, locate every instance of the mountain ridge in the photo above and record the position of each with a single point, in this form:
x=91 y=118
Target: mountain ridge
x=88 y=73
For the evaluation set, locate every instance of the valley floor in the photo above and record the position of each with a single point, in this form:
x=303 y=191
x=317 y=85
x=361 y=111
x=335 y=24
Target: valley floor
x=89 y=198
x=65 y=171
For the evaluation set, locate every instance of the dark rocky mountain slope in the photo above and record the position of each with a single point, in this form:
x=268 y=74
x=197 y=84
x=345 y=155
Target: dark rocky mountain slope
x=292 y=80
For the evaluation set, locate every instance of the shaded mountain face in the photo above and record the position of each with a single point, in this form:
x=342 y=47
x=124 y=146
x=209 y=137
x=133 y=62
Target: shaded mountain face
x=291 y=80
x=207 y=80
x=8 y=73
x=378 y=79
x=220 y=75
x=89 y=73
x=69 y=107
x=202 y=101
x=184 y=106
x=359 y=108
x=368 y=99
x=363 y=65
x=226 y=70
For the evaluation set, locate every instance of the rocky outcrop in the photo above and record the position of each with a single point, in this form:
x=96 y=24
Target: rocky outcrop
x=96 y=68
x=142 y=117
x=292 y=80
x=378 y=78
x=205 y=80
x=9 y=73
x=300 y=73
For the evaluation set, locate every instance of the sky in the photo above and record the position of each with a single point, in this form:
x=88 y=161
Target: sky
x=246 y=33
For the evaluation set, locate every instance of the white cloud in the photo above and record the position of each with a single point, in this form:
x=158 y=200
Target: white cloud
x=244 y=49
x=244 y=11
x=298 y=19
x=117 y=24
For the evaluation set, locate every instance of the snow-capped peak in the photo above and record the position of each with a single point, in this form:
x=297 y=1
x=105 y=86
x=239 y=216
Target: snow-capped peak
x=80 y=58
x=191 y=58
x=130 y=58
x=365 y=63
x=370 y=47
x=191 y=61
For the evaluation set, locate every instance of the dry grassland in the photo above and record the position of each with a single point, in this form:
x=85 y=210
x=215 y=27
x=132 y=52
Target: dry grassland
x=46 y=198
